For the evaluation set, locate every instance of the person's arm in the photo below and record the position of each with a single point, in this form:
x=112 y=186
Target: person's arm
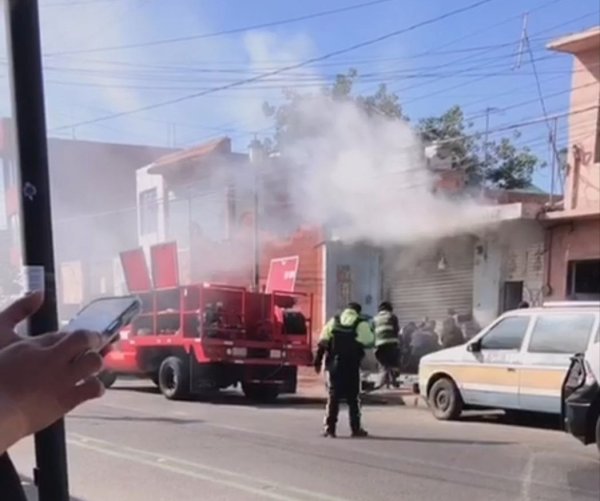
x=364 y=335
x=323 y=345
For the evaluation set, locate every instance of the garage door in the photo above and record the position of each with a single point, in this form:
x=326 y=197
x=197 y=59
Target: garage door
x=440 y=278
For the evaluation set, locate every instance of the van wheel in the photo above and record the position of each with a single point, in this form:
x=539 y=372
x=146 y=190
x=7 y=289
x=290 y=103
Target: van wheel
x=444 y=400
x=107 y=378
x=174 y=378
x=598 y=433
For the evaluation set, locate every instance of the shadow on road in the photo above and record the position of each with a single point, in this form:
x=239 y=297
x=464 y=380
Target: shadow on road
x=235 y=398
x=522 y=419
x=138 y=419
x=436 y=440
x=31 y=490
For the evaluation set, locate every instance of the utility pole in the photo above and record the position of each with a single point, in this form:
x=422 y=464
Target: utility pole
x=25 y=61
x=486 y=134
x=257 y=158
x=554 y=157
x=523 y=41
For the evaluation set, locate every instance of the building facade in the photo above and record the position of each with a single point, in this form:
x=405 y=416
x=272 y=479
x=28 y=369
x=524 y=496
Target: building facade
x=93 y=196
x=573 y=228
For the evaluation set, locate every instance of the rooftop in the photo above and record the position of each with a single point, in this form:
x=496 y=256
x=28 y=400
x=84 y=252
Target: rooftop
x=577 y=42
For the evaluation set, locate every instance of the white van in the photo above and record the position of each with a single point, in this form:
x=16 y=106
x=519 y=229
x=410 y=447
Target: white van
x=518 y=362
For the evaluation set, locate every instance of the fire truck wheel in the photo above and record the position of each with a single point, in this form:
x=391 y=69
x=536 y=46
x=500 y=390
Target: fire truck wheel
x=260 y=392
x=107 y=378
x=173 y=378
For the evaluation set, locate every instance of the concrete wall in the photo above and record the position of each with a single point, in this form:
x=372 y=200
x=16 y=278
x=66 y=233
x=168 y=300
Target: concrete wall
x=513 y=252
x=570 y=241
x=352 y=274
x=582 y=190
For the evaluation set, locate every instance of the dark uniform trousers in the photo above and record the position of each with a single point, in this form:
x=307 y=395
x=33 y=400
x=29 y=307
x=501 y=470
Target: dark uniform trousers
x=343 y=385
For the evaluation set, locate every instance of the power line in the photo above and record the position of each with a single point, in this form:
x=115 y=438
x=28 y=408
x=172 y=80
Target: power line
x=223 y=32
x=289 y=67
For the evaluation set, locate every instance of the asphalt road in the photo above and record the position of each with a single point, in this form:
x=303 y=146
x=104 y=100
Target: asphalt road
x=136 y=446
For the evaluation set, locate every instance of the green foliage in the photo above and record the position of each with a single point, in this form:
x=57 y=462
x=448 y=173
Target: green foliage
x=494 y=163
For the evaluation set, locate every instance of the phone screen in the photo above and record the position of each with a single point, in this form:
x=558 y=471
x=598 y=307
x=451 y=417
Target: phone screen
x=106 y=315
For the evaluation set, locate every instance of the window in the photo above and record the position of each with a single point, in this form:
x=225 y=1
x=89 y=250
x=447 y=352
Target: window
x=561 y=333
x=513 y=295
x=583 y=280
x=149 y=211
x=508 y=334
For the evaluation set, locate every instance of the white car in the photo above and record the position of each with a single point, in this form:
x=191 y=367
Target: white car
x=518 y=362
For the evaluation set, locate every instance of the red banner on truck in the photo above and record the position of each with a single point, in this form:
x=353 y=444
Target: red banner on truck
x=282 y=274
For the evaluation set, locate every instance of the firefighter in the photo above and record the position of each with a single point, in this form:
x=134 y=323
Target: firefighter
x=387 y=342
x=343 y=342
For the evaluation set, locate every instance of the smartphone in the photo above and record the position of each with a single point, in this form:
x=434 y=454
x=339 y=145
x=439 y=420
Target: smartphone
x=107 y=316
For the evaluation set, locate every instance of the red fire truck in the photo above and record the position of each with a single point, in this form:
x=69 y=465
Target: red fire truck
x=204 y=337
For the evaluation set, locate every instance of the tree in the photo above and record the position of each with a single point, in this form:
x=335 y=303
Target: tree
x=500 y=164
x=290 y=126
x=450 y=130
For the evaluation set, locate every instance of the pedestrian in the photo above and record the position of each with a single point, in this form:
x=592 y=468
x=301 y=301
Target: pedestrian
x=451 y=334
x=342 y=345
x=41 y=379
x=387 y=342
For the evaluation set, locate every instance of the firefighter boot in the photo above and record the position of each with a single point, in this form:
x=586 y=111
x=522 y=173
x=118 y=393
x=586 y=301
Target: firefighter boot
x=355 y=417
x=331 y=414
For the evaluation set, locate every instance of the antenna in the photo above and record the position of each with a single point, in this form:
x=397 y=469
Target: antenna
x=522 y=41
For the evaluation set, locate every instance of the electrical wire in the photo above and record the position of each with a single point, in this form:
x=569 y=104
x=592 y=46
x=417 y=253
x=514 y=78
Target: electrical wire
x=214 y=34
x=284 y=69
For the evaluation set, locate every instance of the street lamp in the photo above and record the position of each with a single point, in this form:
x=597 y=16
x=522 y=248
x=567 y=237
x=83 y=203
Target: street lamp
x=256 y=152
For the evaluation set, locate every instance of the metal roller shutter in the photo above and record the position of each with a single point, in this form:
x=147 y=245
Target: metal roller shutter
x=421 y=289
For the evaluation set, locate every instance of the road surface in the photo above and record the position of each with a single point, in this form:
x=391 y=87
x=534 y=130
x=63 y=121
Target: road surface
x=136 y=446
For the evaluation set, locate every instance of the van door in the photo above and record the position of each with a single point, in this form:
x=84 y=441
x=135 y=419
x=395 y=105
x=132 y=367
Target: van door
x=555 y=338
x=490 y=378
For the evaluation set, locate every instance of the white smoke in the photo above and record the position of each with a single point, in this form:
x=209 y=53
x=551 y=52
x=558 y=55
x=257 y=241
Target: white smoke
x=367 y=177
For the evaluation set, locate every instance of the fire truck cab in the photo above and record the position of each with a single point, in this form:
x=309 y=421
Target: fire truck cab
x=200 y=338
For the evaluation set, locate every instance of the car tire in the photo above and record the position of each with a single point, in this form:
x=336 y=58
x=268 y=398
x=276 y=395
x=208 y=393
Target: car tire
x=174 y=378
x=107 y=378
x=444 y=400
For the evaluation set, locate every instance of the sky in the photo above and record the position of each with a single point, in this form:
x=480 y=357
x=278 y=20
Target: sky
x=107 y=78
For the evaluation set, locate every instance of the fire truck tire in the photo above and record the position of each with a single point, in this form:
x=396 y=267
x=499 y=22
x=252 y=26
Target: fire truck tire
x=173 y=378
x=107 y=378
x=260 y=392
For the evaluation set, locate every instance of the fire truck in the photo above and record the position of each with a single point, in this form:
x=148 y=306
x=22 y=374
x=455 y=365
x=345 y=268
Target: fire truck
x=200 y=338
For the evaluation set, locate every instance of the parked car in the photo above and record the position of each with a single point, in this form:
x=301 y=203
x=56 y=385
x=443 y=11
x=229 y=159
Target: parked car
x=517 y=363
x=581 y=396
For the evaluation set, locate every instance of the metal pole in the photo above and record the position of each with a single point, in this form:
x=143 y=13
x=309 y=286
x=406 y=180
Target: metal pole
x=256 y=159
x=256 y=238
x=552 y=138
x=25 y=61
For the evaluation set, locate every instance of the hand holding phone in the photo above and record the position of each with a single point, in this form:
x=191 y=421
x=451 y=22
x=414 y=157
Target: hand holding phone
x=106 y=316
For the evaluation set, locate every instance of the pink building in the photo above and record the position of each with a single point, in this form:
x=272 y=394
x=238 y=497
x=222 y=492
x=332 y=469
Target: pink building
x=573 y=232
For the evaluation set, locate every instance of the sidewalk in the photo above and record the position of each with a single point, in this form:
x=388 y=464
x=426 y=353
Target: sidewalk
x=312 y=385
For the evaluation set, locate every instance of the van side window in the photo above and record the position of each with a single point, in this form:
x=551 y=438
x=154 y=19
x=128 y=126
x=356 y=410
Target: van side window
x=508 y=334
x=561 y=333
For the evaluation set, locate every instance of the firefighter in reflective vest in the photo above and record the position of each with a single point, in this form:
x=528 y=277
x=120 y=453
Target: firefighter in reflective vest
x=343 y=343
x=387 y=342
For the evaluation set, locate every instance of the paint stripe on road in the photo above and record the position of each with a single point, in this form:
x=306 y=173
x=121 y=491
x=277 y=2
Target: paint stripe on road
x=246 y=483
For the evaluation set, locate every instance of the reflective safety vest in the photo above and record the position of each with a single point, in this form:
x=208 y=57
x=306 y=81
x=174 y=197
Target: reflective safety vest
x=344 y=345
x=384 y=328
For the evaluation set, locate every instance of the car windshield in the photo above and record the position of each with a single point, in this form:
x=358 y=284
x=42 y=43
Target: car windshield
x=277 y=209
